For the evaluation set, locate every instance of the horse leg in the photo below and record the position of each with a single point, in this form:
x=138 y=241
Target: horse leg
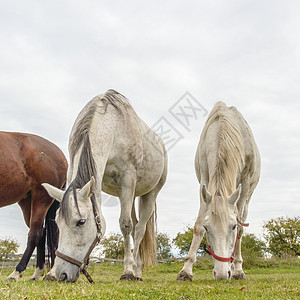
x=41 y=202
x=242 y=205
x=134 y=219
x=126 y=226
x=40 y=258
x=145 y=247
x=25 y=205
x=186 y=273
x=236 y=268
x=35 y=218
x=147 y=207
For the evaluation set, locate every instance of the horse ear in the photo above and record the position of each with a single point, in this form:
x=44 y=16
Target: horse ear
x=53 y=191
x=88 y=189
x=205 y=194
x=235 y=195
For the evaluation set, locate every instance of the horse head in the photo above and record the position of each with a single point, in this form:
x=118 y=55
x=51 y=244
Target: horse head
x=220 y=224
x=79 y=229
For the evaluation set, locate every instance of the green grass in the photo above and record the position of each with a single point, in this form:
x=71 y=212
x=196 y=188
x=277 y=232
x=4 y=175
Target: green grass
x=279 y=282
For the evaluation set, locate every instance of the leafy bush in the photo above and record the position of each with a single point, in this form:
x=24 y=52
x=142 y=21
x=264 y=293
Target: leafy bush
x=113 y=246
x=283 y=236
x=183 y=241
x=252 y=250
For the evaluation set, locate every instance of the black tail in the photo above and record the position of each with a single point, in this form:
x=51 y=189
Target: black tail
x=51 y=232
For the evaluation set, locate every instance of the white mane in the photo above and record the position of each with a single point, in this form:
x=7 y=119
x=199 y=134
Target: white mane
x=229 y=161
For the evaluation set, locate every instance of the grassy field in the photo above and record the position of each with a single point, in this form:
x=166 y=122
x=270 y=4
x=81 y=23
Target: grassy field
x=270 y=282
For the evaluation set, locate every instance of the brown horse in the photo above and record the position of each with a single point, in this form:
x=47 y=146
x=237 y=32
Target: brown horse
x=26 y=161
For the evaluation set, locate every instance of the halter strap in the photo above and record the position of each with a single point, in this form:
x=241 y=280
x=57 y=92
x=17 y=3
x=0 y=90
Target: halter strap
x=242 y=224
x=83 y=264
x=226 y=259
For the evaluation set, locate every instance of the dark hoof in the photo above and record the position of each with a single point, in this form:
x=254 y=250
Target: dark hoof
x=32 y=279
x=130 y=276
x=184 y=277
x=239 y=275
x=10 y=279
x=49 y=278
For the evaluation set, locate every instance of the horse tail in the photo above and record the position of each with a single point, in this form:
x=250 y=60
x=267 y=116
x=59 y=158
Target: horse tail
x=148 y=246
x=51 y=232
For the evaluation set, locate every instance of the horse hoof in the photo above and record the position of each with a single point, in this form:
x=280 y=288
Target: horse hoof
x=184 y=277
x=49 y=278
x=14 y=276
x=129 y=276
x=32 y=279
x=239 y=275
x=10 y=279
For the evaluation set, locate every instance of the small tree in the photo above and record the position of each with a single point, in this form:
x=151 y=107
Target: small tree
x=164 y=246
x=283 y=235
x=183 y=241
x=113 y=246
x=8 y=247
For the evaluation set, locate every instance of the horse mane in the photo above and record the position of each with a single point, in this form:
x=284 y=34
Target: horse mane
x=86 y=166
x=230 y=160
x=114 y=97
x=86 y=169
x=82 y=130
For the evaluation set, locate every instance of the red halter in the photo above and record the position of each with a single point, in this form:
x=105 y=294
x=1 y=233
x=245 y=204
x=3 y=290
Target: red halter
x=226 y=259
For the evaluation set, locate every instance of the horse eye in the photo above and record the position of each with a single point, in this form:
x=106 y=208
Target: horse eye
x=81 y=222
x=234 y=227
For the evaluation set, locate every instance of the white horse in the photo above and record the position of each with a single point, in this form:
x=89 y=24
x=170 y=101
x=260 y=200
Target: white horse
x=227 y=165
x=113 y=150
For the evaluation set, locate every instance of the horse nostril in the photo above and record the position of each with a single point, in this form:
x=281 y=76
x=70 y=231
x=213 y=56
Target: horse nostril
x=63 y=277
x=215 y=274
x=229 y=274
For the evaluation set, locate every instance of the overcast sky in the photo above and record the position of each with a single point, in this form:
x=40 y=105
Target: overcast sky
x=56 y=55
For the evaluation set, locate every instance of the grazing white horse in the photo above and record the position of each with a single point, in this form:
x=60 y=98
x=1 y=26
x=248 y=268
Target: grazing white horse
x=113 y=150
x=227 y=165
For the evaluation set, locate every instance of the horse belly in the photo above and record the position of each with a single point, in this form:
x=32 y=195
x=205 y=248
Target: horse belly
x=146 y=178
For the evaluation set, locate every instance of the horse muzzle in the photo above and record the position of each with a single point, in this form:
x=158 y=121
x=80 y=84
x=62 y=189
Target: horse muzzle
x=64 y=277
x=66 y=272
x=223 y=275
